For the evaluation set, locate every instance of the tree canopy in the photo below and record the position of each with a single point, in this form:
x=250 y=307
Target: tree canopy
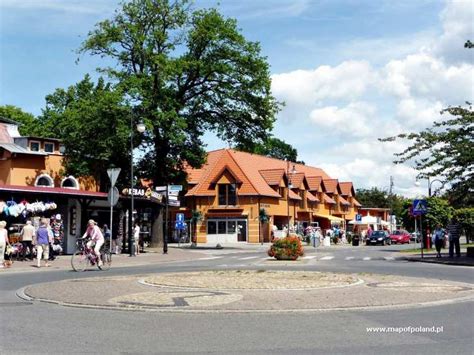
x=445 y=150
x=185 y=71
x=28 y=125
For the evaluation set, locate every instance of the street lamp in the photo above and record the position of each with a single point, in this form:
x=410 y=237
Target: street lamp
x=131 y=239
x=290 y=186
x=430 y=183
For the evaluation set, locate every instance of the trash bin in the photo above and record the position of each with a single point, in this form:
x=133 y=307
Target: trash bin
x=355 y=240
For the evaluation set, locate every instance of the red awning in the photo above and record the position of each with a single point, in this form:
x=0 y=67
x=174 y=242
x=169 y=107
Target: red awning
x=53 y=190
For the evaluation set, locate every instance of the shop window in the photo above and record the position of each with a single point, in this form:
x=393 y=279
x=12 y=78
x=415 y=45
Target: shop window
x=70 y=183
x=227 y=194
x=44 y=180
x=221 y=227
x=231 y=227
x=211 y=227
x=34 y=146
x=49 y=147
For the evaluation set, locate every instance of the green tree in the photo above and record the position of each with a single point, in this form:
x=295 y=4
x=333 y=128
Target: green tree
x=271 y=147
x=466 y=218
x=373 y=197
x=445 y=151
x=188 y=71
x=29 y=125
x=93 y=123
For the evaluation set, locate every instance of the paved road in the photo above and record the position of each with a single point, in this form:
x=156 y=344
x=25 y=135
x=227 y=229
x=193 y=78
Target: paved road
x=35 y=328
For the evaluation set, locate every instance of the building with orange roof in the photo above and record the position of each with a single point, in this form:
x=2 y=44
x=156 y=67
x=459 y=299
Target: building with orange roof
x=233 y=189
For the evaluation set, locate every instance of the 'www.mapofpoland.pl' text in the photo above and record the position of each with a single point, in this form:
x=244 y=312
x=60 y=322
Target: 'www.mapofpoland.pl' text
x=410 y=330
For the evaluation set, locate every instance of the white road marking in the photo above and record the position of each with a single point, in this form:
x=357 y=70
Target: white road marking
x=366 y=258
x=389 y=258
x=309 y=257
x=211 y=258
x=350 y=258
x=249 y=257
x=327 y=257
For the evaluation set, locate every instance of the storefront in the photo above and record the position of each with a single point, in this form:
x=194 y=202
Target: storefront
x=69 y=207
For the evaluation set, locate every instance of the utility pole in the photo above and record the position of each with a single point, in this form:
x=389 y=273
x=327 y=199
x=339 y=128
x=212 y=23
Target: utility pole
x=391 y=202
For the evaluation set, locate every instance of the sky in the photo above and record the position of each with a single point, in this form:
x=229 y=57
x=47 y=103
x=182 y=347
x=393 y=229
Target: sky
x=349 y=71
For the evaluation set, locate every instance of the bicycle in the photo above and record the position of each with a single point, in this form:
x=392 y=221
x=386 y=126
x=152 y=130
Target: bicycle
x=85 y=257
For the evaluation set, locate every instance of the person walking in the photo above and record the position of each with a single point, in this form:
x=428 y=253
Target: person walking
x=42 y=243
x=454 y=233
x=27 y=234
x=3 y=242
x=438 y=238
x=136 y=237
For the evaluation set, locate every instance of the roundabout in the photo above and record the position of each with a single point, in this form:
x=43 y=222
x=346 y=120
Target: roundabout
x=241 y=291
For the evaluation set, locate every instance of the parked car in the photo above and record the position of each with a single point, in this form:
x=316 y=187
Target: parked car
x=415 y=237
x=378 y=237
x=400 y=237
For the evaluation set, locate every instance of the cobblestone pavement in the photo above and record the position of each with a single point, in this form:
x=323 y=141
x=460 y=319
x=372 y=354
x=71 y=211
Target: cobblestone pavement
x=250 y=291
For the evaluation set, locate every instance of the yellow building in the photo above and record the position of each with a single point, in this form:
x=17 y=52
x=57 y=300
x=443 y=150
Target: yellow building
x=233 y=187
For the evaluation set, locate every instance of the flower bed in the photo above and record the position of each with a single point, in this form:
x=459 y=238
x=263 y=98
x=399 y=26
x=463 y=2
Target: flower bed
x=288 y=248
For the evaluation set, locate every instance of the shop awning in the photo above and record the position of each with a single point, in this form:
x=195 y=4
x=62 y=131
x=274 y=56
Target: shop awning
x=329 y=217
x=53 y=191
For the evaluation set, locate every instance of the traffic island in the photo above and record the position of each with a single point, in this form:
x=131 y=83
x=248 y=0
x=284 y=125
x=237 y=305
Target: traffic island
x=250 y=291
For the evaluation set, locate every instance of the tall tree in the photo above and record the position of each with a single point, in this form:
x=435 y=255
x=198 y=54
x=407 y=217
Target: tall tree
x=271 y=147
x=93 y=123
x=188 y=71
x=445 y=150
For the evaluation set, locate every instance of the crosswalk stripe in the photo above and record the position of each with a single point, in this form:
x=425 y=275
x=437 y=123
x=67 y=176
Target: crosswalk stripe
x=309 y=257
x=249 y=257
x=350 y=258
x=389 y=258
x=366 y=258
x=327 y=257
x=211 y=258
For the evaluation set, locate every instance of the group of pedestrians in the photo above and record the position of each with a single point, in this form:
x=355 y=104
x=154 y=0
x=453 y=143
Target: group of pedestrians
x=452 y=233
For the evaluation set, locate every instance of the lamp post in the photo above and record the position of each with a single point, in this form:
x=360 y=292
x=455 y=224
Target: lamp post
x=290 y=186
x=131 y=239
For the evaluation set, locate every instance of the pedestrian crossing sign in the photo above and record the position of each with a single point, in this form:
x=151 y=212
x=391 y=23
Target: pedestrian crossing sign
x=420 y=207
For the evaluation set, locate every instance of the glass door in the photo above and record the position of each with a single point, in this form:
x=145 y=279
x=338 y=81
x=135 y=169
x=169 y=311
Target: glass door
x=241 y=230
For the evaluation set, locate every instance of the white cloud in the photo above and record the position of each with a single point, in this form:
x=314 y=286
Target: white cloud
x=72 y=6
x=349 y=80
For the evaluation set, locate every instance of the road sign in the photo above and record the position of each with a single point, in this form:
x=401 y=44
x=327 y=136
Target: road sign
x=173 y=193
x=180 y=217
x=160 y=188
x=113 y=175
x=113 y=196
x=358 y=217
x=174 y=203
x=420 y=207
x=179 y=225
x=175 y=187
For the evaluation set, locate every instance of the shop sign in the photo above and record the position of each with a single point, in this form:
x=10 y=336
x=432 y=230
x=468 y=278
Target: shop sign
x=264 y=205
x=148 y=193
x=175 y=187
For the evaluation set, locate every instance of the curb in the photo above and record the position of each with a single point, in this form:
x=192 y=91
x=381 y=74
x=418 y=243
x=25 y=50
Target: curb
x=439 y=262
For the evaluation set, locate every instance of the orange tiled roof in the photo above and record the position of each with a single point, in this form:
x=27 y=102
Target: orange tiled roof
x=330 y=185
x=356 y=203
x=347 y=189
x=328 y=199
x=343 y=201
x=296 y=180
x=311 y=197
x=272 y=176
x=314 y=182
x=294 y=196
x=247 y=167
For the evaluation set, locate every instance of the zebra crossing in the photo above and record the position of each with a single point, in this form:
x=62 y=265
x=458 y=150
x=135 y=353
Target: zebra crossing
x=255 y=259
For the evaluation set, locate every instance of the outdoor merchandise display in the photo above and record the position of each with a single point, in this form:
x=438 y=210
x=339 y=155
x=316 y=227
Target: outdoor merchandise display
x=25 y=208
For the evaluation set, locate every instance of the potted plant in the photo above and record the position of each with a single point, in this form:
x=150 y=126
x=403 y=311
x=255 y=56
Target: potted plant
x=288 y=248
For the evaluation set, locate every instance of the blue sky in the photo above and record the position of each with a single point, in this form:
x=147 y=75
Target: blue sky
x=349 y=71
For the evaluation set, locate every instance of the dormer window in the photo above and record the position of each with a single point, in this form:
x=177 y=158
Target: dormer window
x=70 y=182
x=227 y=194
x=49 y=147
x=44 y=180
x=35 y=146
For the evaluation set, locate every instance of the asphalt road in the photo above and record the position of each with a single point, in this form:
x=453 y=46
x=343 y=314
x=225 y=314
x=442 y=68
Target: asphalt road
x=36 y=328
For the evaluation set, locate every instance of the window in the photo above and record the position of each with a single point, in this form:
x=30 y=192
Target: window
x=70 y=183
x=34 y=146
x=44 y=180
x=230 y=227
x=227 y=194
x=302 y=202
x=221 y=227
x=211 y=227
x=281 y=191
x=49 y=147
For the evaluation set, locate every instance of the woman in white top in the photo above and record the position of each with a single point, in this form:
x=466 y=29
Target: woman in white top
x=136 y=236
x=3 y=241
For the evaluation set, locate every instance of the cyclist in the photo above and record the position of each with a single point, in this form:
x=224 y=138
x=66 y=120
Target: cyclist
x=97 y=238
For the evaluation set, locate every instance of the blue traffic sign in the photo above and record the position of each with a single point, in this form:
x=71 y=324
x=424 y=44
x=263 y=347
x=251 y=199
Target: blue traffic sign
x=420 y=207
x=180 y=225
x=358 y=217
x=179 y=217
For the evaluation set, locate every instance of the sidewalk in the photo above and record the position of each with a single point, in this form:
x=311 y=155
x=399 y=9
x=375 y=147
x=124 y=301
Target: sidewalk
x=463 y=260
